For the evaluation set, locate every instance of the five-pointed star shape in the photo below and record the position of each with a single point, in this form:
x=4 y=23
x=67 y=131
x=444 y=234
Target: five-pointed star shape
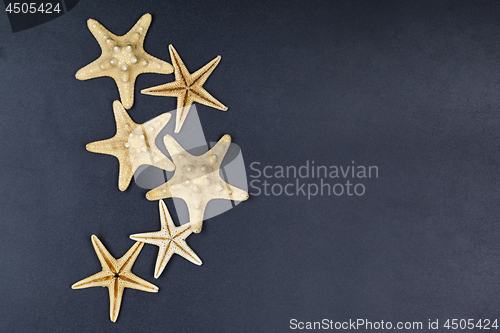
x=196 y=180
x=123 y=58
x=188 y=88
x=170 y=239
x=116 y=275
x=133 y=144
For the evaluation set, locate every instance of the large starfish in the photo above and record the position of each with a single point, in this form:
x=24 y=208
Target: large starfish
x=196 y=180
x=188 y=88
x=170 y=239
x=133 y=144
x=123 y=58
x=116 y=275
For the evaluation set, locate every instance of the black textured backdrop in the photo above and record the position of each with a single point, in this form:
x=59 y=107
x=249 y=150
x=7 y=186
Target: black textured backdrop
x=410 y=86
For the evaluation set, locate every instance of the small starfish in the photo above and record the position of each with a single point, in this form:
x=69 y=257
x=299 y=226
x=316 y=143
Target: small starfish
x=170 y=239
x=116 y=275
x=188 y=88
x=123 y=58
x=196 y=180
x=133 y=144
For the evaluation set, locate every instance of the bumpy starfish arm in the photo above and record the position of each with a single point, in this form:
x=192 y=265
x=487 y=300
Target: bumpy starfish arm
x=91 y=71
x=101 y=279
x=217 y=153
x=233 y=193
x=101 y=34
x=138 y=31
x=151 y=129
x=152 y=64
x=122 y=118
x=161 y=192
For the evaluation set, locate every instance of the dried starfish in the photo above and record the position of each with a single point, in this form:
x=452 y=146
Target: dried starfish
x=133 y=144
x=116 y=275
x=170 y=239
x=196 y=180
x=188 y=88
x=123 y=58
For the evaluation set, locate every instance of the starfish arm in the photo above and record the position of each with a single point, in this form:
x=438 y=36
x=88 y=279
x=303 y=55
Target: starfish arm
x=108 y=262
x=161 y=192
x=186 y=252
x=171 y=89
x=132 y=281
x=101 y=279
x=217 y=153
x=101 y=34
x=126 y=262
x=166 y=222
x=107 y=147
x=164 y=254
x=180 y=70
x=233 y=193
x=92 y=70
x=125 y=84
x=152 y=64
x=153 y=238
x=139 y=30
x=123 y=121
x=196 y=212
x=151 y=129
x=201 y=96
x=199 y=77
x=174 y=149
x=115 y=298
x=184 y=102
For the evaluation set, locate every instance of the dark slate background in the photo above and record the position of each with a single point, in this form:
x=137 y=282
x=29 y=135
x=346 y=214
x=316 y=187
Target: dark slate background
x=412 y=87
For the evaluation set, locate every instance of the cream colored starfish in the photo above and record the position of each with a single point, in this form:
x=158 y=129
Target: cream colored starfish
x=188 y=88
x=196 y=180
x=116 y=275
x=133 y=144
x=170 y=239
x=123 y=58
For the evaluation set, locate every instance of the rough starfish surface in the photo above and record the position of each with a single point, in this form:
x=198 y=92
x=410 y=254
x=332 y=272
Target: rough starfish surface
x=170 y=239
x=116 y=275
x=196 y=180
x=188 y=88
x=123 y=58
x=133 y=144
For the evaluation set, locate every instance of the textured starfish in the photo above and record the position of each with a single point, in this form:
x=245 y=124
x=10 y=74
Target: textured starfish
x=188 y=88
x=133 y=144
x=170 y=239
x=123 y=58
x=196 y=180
x=116 y=275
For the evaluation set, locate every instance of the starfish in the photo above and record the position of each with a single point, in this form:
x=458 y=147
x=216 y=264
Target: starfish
x=188 y=88
x=123 y=58
x=133 y=144
x=196 y=180
x=116 y=275
x=170 y=239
